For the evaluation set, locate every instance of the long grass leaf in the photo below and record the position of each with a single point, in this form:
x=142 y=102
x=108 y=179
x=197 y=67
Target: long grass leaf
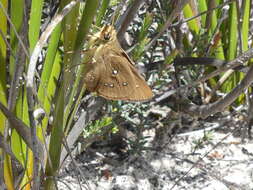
x=35 y=22
x=193 y=24
x=8 y=175
x=102 y=11
x=245 y=25
x=3 y=50
x=48 y=64
x=232 y=45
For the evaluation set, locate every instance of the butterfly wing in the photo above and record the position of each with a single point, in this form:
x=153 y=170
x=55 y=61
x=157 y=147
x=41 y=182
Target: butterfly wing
x=92 y=76
x=113 y=75
x=119 y=78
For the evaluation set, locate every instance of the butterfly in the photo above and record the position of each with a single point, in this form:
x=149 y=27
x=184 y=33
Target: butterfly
x=111 y=72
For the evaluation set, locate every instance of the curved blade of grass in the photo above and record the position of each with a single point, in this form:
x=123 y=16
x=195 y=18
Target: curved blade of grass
x=8 y=175
x=48 y=84
x=35 y=22
x=49 y=62
x=3 y=49
x=245 y=24
x=232 y=45
x=245 y=35
x=70 y=25
x=49 y=75
x=27 y=179
x=55 y=141
x=202 y=7
x=70 y=34
x=219 y=49
x=193 y=24
x=51 y=89
x=40 y=44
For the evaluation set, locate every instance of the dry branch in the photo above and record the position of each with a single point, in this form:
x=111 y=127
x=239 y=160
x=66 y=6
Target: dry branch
x=209 y=109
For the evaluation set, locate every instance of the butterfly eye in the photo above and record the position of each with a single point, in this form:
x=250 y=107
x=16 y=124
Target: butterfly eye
x=107 y=36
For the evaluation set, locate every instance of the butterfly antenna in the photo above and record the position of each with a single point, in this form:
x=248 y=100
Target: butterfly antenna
x=116 y=20
x=69 y=52
x=91 y=33
x=115 y=14
x=113 y=18
x=97 y=27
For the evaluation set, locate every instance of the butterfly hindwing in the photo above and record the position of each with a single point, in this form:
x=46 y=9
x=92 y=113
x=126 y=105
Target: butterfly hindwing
x=121 y=80
x=112 y=74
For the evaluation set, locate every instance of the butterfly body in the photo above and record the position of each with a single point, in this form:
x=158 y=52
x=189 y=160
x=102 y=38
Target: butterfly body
x=111 y=73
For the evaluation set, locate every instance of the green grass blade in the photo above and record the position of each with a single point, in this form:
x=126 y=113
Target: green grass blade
x=232 y=46
x=35 y=22
x=17 y=8
x=48 y=64
x=8 y=174
x=232 y=32
x=3 y=49
x=245 y=25
x=55 y=140
x=102 y=11
x=51 y=89
x=202 y=7
x=193 y=24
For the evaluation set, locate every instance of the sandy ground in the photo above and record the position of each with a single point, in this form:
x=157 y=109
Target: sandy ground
x=216 y=156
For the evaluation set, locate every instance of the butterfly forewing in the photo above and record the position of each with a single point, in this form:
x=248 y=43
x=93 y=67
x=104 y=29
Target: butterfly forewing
x=113 y=75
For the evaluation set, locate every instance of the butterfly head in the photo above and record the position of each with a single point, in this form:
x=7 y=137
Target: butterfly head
x=107 y=33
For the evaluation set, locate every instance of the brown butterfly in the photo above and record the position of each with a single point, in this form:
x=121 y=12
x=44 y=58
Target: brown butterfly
x=111 y=73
